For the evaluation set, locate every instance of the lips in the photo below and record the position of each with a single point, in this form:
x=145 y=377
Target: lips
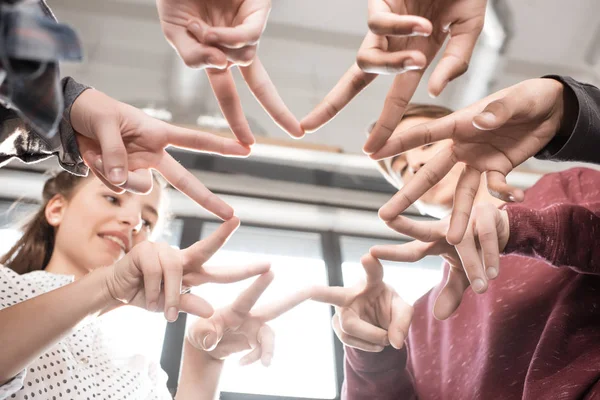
x=118 y=238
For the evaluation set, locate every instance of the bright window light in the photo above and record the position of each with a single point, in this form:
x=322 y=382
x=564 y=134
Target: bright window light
x=303 y=336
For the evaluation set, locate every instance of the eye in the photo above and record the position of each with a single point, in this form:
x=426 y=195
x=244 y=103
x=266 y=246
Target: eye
x=428 y=145
x=147 y=224
x=403 y=170
x=112 y=199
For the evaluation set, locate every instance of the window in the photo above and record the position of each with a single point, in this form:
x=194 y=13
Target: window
x=303 y=335
x=410 y=280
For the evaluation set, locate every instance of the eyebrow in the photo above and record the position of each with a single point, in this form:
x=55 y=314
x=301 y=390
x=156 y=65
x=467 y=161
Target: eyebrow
x=151 y=210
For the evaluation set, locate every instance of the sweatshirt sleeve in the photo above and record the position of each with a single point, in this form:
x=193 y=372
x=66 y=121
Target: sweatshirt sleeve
x=377 y=376
x=17 y=140
x=579 y=139
x=566 y=233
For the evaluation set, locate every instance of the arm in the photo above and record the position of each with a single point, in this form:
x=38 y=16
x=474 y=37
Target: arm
x=564 y=235
x=200 y=375
x=40 y=322
x=379 y=376
x=579 y=137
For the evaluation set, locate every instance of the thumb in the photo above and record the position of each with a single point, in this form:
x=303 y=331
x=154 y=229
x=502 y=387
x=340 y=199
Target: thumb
x=496 y=114
x=114 y=154
x=205 y=334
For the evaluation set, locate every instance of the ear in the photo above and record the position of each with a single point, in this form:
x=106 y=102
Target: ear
x=55 y=210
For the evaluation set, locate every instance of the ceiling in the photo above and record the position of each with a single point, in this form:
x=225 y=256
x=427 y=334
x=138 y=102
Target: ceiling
x=308 y=45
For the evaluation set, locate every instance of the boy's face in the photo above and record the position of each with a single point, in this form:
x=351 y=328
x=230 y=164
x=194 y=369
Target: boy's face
x=407 y=164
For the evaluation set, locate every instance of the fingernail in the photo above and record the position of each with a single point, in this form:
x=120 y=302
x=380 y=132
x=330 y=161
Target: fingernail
x=267 y=361
x=420 y=32
x=117 y=175
x=98 y=164
x=492 y=272
x=195 y=26
x=386 y=341
x=511 y=198
x=209 y=342
x=433 y=96
x=411 y=65
x=487 y=117
x=478 y=285
x=211 y=37
x=153 y=306
x=172 y=314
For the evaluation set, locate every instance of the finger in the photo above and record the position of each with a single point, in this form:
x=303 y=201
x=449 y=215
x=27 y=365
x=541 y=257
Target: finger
x=487 y=235
x=235 y=274
x=397 y=99
x=262 y=88
x=373 y=269
x=456 y=58
x=464 y=197
x=241 y=57
x=172 y=275
x=152 y=270
x=266 y=338
x=417 y=136
x=471 y=263
x=205 y=334
x=205 y=142
x=451 y=295
x=333 y=295
x=248 y=298
x=425 y=231
x=223 y=86
x=402 y=314
x=498 y=112
x=353 y=342
x=184 y=181
x=351 y=84
x=497 y=186
x=114 y=155
x=201 y=251
x=352 y=325
x=139 y=181
x=408 y=252
x=95 y=165
x=377 y=61
x=252 y=357
x=426 y=178
x=192 y=51
x=244 y=34
x=391 y=24
x=195 y=305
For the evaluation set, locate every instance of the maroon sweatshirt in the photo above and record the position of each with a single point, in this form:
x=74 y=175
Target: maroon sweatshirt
x=535 y=334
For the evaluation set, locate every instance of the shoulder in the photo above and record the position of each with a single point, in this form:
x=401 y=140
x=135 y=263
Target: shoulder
x=575 y=185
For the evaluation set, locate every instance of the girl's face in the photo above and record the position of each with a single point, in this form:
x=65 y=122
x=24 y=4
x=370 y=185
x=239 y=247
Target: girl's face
x=96 y=227
x=407 y=164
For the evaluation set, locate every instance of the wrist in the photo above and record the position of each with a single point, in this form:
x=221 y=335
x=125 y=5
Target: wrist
x=100 y=278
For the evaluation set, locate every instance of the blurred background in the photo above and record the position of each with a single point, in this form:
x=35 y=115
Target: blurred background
x=310 y=206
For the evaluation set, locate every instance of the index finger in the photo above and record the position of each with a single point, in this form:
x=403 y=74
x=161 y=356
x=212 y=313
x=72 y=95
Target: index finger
x=426 y=178
x=373 y=269
x=396 y=101
x=223 y=86
x=248 y=298
x=206 y=142
x=350 y=85
x=184 y=181
x=264 y=90
x=425 y=231
x=203 y=250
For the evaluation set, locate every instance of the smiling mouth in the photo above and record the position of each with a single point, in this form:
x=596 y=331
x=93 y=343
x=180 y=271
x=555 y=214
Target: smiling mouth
x=115 y=240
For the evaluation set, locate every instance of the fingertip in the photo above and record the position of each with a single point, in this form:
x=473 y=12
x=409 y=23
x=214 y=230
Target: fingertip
x=485 y=121
x=367 y=259
x=386 y=214
x=517 y=196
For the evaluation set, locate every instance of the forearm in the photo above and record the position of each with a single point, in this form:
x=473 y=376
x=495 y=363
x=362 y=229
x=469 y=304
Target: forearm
x=564 y=235
x=199 y=376
x=30 y=327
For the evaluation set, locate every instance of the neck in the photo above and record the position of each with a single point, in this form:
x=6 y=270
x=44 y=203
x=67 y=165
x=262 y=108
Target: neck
x=60 y=264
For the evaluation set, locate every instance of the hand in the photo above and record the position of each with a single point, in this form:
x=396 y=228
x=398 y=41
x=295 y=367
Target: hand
x=472 y=262
x=152 y=276
x=404 y=37
x=235 y=328
x=217 y=34
x=518 y=122
x=121 y=144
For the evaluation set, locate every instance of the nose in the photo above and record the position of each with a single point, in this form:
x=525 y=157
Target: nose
x=131 y=218
x=416 y=159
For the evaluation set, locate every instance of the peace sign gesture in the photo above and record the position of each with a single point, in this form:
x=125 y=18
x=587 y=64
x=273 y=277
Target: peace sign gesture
x=152 y=276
